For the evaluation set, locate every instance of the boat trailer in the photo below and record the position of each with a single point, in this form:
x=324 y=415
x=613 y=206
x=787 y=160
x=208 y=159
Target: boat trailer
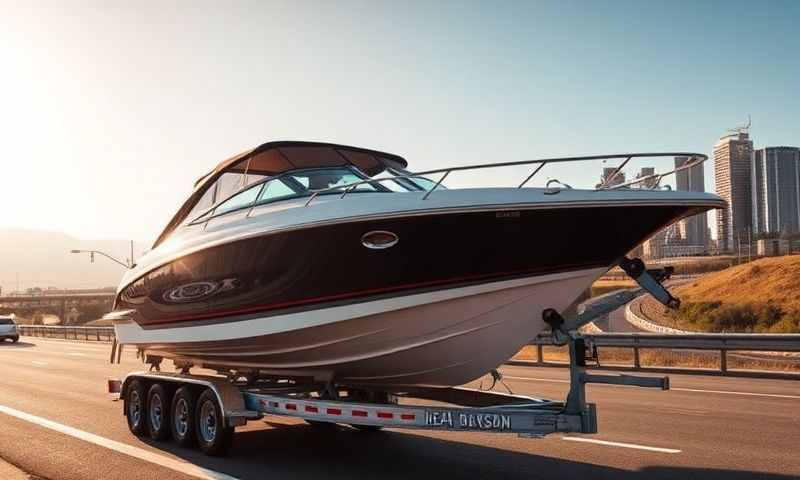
x=203 y=410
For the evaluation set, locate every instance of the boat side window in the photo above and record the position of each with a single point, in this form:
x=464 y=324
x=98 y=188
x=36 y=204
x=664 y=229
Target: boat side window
x=396 y=184
x=275 y=190
x=323 y=178
x=240 y=200
x=421 y=183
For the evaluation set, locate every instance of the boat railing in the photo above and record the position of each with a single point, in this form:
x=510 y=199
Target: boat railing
x=647 y=182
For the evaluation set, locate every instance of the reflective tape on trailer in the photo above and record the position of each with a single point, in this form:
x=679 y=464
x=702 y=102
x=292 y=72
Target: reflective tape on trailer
x=381 y=414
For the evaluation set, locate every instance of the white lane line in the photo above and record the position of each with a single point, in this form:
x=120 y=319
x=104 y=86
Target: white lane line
x=136 y=452
x=677 y=389
x=621 y=445
x=76 y=354
x=750 y=394
x=38 y=363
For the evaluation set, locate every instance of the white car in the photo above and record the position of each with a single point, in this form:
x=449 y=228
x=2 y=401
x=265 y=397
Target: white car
x=8 y=329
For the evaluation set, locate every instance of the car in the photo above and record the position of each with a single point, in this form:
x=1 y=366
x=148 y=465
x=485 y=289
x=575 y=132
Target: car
x=8 y=329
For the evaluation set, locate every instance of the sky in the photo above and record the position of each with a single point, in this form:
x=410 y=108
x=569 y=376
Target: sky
x=110 y=110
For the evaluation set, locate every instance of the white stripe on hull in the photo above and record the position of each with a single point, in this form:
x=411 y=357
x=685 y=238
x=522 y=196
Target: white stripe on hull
x=440 y=338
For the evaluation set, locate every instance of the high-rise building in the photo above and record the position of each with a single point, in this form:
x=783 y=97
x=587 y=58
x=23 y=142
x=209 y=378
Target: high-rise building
x=608 y=181
x=732 y=164
x=776 y=190
x=693 y=229
x=646 y=172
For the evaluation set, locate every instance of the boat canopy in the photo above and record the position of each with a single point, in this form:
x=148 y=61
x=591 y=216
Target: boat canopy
x=275 y=158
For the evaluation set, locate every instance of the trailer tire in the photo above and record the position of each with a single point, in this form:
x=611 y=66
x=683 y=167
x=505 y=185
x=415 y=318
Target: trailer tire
x=158 y=412
x=136 y=408
x=182 y=417
x=214 y=437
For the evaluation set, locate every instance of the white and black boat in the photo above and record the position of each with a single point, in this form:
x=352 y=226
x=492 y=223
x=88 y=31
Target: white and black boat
x=301 y=259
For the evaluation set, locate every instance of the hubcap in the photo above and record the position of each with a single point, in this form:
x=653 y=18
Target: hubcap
x=208 y=421
x=135 y=408
x=155 y=412
x=182 y=417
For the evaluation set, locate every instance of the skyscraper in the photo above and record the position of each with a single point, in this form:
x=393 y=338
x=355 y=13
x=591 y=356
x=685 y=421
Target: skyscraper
x=693 y=229
x=608 y=181
x=644 y=173
x=732 y=165
x=776 y=190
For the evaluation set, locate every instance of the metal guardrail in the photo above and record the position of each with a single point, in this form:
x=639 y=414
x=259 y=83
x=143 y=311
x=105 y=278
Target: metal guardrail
x=97 y=334
x=723 y=343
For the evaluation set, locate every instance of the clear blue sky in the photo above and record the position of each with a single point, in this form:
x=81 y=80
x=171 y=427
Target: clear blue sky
x=111 y=110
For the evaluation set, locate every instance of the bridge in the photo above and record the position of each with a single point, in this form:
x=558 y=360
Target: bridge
x=94 y=304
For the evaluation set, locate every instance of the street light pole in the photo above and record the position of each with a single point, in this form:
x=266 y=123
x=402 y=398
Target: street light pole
x=92 y=252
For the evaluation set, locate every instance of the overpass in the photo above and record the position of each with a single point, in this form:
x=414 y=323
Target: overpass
x=59 y=304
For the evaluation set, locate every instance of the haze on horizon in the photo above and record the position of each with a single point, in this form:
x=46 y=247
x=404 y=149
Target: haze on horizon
x=110 y=110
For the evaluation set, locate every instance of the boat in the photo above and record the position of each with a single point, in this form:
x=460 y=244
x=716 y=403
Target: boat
x=335 y=263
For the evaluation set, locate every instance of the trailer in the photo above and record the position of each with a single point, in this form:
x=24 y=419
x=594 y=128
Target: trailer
x=203 y=410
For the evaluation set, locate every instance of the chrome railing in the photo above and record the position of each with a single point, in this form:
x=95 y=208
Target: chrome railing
x=649 y=181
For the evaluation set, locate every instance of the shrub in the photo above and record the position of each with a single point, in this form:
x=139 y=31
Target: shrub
x=718 y=317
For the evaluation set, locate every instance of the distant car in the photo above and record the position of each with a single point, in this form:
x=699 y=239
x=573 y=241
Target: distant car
x=8 y=329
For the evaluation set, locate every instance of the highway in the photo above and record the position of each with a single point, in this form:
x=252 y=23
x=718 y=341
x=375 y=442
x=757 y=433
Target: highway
x=57 y=422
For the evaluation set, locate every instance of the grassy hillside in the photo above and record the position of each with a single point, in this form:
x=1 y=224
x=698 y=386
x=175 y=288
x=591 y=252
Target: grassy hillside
x=761 y=296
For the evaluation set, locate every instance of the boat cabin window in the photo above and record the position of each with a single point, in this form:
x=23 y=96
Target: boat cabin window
x=227 y=184
x=323 y=178
x=288 y=185
x=242 y=200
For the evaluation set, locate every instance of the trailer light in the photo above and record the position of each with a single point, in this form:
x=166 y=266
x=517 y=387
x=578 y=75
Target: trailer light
x=114 y=385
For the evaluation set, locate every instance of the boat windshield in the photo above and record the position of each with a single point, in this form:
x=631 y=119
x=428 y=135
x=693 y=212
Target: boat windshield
x=288 y=185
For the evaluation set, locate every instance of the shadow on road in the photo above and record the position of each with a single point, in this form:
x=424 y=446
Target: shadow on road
x=301 y=451
x=8 y=344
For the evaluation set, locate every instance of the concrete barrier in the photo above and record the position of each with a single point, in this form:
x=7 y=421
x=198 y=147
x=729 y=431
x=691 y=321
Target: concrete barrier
x=639 y=321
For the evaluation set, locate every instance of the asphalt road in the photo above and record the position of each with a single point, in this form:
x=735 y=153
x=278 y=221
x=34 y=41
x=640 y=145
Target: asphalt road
x=615 y=322
x=57 y=422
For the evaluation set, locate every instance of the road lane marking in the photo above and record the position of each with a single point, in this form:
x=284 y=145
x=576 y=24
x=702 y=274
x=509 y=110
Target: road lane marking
x=621 y=445
x=130 y=450
x=728 y=392
x=38 y=363
x=76 y=354
x=676 y=389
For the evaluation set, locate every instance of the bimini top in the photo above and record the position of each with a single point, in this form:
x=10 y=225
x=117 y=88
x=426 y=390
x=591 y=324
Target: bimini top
x=274 y=158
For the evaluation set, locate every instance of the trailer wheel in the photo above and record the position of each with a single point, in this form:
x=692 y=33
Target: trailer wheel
x=213 y=436
x=182 y=417
x=135 y=408
x=158 y=409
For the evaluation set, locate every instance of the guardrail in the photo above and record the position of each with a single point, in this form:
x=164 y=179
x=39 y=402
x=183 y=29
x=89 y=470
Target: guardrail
x=97 y=334
x=723 y=343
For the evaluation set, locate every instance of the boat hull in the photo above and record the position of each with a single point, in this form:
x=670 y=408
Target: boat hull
x=441 y=338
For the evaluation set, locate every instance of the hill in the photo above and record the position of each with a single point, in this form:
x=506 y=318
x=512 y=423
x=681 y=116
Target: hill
x=760 y=296
x=43 y=259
